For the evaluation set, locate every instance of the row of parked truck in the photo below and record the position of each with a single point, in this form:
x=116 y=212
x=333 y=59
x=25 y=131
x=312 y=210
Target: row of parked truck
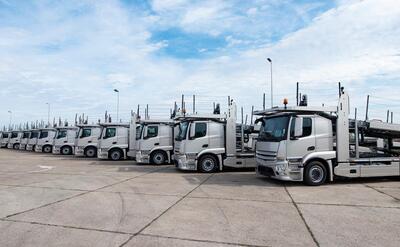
x=299 y=143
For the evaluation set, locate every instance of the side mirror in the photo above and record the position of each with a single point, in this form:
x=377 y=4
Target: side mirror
x=298 y=127
x=144 y=132
x=192 y=133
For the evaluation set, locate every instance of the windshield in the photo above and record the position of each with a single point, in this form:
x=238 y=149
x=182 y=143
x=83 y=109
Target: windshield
x=274 y=129
x=14 y=135
x=183 y=126
x=139 y=129
x=26 y=135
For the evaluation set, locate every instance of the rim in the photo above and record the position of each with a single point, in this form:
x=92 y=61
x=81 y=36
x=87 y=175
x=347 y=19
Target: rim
x=316 y=174
x=115 y=156
x=90 y=152
x=208 y=164
x=47 y=149
x=158 y=158
x=65 y=151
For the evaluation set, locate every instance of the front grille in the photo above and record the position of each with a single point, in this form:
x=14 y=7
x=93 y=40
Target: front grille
x=266 y=171
x=266 y=155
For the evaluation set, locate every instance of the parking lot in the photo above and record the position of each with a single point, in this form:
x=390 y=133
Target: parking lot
x=48 y=200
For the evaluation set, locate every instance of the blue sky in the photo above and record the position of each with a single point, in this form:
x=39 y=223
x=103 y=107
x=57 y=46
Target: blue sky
x=73 y=53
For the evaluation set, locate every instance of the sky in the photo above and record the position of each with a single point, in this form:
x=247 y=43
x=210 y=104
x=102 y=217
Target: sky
x=72 y=54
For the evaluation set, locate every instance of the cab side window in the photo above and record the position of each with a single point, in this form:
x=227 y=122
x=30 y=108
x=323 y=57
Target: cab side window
x=44 y=135
x=307 y=127
x=86 y=133
x=152 y=131
x=200 y=130
x=110 y=132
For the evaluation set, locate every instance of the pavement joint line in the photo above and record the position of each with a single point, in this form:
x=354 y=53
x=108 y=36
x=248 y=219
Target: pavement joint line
x=77 y=195
x=236 y=199
x=382 y=192
x=43 y=187
x=165 y=211
x=345 y=205
x=302 y=217
x=65 y=226
x=202 y=240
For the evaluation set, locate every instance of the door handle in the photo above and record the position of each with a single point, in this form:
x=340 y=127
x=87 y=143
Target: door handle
x=114 y=143
x=47 y=141
x=205 y=146
x=156 y=144
x=89 y=141
x=65 y=141
x=312 y=148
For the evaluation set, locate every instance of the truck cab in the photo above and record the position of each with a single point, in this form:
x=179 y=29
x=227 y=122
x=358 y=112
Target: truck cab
x=318 y=144
x=86 y=143
x=32 y=141
x=15 y=140
x=209 y=142
x=5 y=138
x=64 y=140
x=45 y=140
x=24 y=140
x=154 y=141
x=113 y=141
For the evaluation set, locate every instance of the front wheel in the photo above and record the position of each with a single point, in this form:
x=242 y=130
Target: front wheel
x=208 y=164
x=158 y=158
x=47 y=149
x=66 y=150
x=91 y=152
x=16 y=146
x=115 y=155
x=315 y=173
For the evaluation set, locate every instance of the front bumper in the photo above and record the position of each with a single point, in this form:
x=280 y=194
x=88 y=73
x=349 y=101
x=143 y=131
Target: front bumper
x=10 y=145
x=143 y=157
x=38 y=148
x=182 y=162
x=281 y=170
x=102 y=153
x=56 y=149
x=79 y=151
x=22 y=146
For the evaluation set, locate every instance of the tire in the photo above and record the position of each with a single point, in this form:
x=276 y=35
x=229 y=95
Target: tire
x=91 y=152
x=16 y=146
x=208 y=164
x=47 y=149
x=158 y=158
x=115 y=155
x=315 y=173
x=66 y=150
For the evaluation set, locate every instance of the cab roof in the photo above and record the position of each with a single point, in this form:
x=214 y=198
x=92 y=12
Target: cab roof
x=296 y=109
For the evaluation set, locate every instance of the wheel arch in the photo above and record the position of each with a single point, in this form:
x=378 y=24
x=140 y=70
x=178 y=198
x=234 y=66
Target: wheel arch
x=326 y=163
x=216 y=156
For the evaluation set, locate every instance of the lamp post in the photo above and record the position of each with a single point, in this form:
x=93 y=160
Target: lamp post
x=117 y=91
x=48 y=114
x=9 y=125
x=272 y=90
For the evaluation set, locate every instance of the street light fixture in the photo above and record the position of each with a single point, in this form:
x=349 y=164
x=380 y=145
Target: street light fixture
x=117 y=91
x=272 y=92
x=48 y=114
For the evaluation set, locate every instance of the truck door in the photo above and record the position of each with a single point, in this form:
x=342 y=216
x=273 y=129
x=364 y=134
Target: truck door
x=109 y=137
x=150 y=138
x=303 y=143
x=198 y=138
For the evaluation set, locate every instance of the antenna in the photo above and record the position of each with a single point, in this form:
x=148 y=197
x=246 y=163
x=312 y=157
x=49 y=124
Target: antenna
x=366 y=111
x=194 y=104
x=264 y=101
x=252 y=110
x=297 y=94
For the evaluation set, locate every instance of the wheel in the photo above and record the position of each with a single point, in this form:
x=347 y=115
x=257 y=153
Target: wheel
x=208 y=163
x=115 y=154
x=158 y=157
x=315 y=173
x=67 y=150
x=91 y=152
x=47 y=149
x=16 y=146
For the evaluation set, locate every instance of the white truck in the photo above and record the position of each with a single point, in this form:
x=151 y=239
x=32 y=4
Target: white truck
x=24 y=139
x=209 y=142
x=45 y=140
x=86 y=143
x=5 y=138
x=115 y=142
x=317 y=144
x=32 y=141
x=15 y=140
x=154 y=141
x=64 y=140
